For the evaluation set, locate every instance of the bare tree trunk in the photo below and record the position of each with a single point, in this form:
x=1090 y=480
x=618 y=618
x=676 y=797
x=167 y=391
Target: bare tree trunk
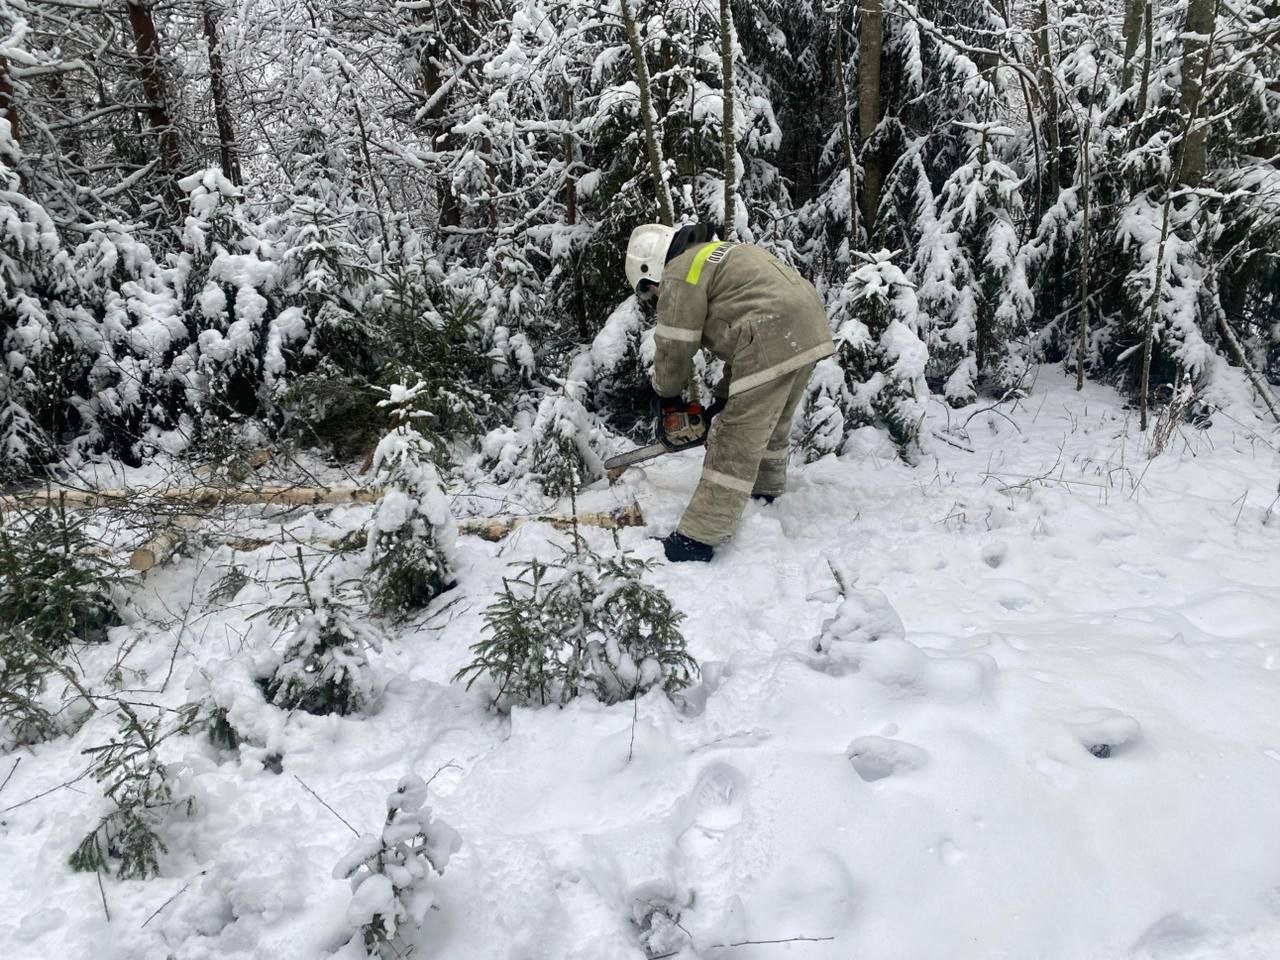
x=1199 y=30
x=450 y=212
x=571 y=216
x=1084 y=250
x=870 y=46
x=227 y=149
x=1050 y=92
x=726 y=120
x=1148 y=328
x=846 y=132
x=8 y=104
x=1146 y=61
x=156 y=89
x=666 y=213
x=1132 y=30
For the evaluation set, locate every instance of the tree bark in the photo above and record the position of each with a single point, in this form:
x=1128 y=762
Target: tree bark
x=571 y=216
x=449 y=210
x=870 y=47
x=228 y=151
x=845 y=130
x=1196 y=54
x=1084 y=250
x=653 y=147
x=156 y=89
x=726 y=120
x=8 y=104
x=1146 y=61
x=160 y=547
x=1132 y=30
x=1050 y=93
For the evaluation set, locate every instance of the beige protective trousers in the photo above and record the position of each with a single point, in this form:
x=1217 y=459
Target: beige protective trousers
x=747 y=453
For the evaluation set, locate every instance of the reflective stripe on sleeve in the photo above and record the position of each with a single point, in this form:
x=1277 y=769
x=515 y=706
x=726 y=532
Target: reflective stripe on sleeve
x=678 y=333
x=724 y=480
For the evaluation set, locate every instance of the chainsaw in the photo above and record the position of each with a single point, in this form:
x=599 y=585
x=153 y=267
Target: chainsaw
x=681 y=426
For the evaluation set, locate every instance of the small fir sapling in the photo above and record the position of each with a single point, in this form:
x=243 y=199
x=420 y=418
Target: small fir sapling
x=582 y=623
x=412 y=536
x=393 y=874
x=325 y=667
x=821 y=427
x=50 y=580
x=141 y=789
x=879 y=347
x=54 y=593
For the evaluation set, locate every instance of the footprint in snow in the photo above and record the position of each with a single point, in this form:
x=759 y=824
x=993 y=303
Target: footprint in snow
x=715 y=804
x=1173 y=935
x=875 y=758
x=1105 y=732
x=706 y=849
x=995 y=553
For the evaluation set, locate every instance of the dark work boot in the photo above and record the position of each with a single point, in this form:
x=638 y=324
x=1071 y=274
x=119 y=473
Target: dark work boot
x=764 y=498
x=679 y=548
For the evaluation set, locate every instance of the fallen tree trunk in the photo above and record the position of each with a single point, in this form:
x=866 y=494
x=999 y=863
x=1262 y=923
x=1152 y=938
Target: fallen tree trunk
x=193 y=496
x=493 y=529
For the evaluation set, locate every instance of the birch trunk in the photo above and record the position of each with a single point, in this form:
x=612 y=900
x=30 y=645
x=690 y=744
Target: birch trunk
x=653 y=147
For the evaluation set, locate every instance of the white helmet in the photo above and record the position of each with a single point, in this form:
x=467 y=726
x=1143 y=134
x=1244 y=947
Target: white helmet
x=647 y=252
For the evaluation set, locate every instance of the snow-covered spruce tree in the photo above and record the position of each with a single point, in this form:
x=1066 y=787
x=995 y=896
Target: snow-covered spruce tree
x=878 y=347
x=51 y=581
x=40 y=367
x=393 y=874
x=821 y=427
x=141 y=790
x=976 y=234
x=412 y=535
x=616 y=368
x=325 y=665
x=227 y=281
x=553 y=447
x=581 y=624
x=946 y=292
x=323 y=271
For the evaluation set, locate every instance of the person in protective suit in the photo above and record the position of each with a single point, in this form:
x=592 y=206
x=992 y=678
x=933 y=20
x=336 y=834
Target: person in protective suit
x=769 y=327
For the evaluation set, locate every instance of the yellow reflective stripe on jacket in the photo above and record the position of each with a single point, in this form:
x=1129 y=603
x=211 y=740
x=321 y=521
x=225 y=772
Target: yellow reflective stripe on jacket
x=700 y=258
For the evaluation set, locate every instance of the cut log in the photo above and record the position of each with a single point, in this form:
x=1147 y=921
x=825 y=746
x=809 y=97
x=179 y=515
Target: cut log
x=494 y=529
x=164 y=543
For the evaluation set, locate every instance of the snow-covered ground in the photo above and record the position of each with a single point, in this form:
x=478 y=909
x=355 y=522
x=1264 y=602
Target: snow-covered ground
x=929 y=795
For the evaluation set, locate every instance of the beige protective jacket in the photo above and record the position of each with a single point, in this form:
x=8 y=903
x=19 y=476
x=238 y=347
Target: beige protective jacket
x=744 y=305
